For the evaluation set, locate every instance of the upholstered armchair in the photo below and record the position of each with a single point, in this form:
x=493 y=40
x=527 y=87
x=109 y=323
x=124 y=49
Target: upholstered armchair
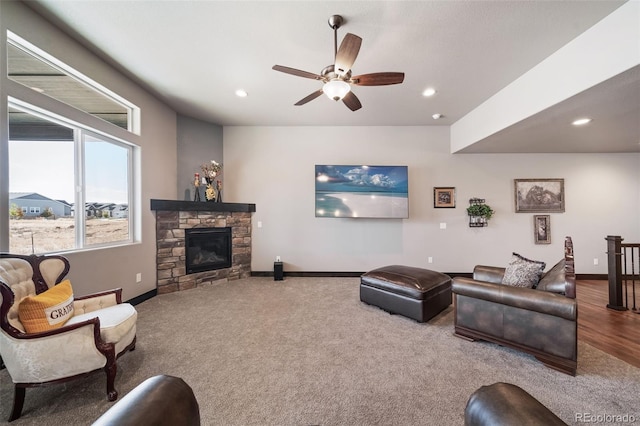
x=98 y=328
x=540 y=319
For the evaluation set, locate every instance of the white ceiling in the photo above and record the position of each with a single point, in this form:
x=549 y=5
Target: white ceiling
x=195 y=54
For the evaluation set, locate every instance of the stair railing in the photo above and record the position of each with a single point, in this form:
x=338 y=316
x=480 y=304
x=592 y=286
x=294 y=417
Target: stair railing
x=624 y=272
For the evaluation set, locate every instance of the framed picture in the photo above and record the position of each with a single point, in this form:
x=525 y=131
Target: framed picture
x=542 y=229
x=444 y=197
x=539 y=195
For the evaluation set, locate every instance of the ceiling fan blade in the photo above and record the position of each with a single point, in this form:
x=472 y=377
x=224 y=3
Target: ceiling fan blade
x=298 y=73
x=347 y=53
x=351 y=101
x=378 y=79
x=309 y=98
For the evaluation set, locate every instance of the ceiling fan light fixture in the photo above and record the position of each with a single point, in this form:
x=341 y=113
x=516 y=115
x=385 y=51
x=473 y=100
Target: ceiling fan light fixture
x=336 y=89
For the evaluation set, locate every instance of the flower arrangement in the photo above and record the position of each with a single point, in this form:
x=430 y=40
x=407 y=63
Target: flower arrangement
x=212 y=170
x=213 y=189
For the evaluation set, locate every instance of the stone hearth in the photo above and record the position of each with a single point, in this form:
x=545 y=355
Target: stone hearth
x=173 y=217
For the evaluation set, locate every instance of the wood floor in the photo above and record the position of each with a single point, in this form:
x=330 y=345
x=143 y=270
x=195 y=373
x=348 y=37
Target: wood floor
x=614 y=332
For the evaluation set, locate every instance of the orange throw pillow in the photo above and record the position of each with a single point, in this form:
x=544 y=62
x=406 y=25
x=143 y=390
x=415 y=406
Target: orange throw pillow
x=48 y=310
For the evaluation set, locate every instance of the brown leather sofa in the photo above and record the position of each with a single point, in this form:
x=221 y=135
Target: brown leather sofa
x=504 y=404
x=158 y=401
x=541 y=321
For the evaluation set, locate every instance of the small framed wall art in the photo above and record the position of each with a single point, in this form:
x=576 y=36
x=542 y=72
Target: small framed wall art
x=539 y=195
x=542 y=229
x=444 y=197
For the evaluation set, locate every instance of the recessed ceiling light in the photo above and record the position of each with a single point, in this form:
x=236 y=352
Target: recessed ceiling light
x=429 y=92
x=241 y=93
x=581 y=121
x=437 y=116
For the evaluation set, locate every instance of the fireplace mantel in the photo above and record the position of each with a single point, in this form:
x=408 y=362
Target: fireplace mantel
x=201 y=206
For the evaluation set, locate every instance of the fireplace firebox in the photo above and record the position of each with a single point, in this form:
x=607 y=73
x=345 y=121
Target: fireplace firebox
x=207 y=249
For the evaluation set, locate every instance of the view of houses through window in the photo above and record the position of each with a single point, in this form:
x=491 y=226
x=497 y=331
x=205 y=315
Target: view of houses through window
x=47 y=162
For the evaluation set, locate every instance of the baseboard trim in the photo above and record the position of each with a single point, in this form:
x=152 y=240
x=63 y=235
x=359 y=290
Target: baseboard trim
x=459 y=274
x=145 y=296
x=341 y=274
x=311 y=274
x=592 y=277
x=335 y=274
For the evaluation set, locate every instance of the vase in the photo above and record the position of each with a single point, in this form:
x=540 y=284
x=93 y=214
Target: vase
x=210 y=192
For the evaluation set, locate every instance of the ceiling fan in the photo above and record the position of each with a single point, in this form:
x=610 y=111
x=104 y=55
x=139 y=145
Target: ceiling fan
x=337 y=78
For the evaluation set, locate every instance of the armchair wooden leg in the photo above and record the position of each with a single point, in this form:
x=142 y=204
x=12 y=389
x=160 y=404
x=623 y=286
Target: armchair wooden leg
x=18 y=402
x=111 y=369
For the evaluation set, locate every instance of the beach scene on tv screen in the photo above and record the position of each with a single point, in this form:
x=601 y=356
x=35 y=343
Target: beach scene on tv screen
x=362 y=191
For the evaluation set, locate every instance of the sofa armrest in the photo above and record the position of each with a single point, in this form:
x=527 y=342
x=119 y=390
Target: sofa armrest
x=491 y=274
x=93 y=302
x=159 y=401
x=507 y=404
x=519 y=297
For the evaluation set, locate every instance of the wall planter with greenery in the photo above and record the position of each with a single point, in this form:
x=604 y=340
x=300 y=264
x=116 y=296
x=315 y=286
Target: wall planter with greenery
x=479 y=213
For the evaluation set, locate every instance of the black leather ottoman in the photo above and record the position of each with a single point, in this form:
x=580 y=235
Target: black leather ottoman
x=415 y=293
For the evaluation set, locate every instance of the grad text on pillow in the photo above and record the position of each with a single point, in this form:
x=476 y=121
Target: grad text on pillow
x=48 y=310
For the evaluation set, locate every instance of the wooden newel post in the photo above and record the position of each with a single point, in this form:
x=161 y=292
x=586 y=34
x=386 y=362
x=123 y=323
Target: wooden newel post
x=614 y=265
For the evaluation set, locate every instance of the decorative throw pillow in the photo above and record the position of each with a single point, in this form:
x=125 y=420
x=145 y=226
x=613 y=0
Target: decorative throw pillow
x=47 y=310
x=523 y=272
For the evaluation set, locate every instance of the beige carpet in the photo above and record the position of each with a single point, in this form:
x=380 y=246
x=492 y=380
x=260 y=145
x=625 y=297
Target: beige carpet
x=306 y=351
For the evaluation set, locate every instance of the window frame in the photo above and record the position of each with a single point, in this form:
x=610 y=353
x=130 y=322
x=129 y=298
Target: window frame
x=133 y=112
x=21 y=96
x=79 y=132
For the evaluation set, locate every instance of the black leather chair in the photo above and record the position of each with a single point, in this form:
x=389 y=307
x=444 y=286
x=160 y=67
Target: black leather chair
x=158 y=401
x=504 y=404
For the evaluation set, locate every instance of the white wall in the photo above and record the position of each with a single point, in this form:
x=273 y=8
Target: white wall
x=96 y=270
x=274 y=168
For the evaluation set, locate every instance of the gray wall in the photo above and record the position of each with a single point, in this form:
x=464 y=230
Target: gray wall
x=198 y=142
x=274 y=168
x=101 y=269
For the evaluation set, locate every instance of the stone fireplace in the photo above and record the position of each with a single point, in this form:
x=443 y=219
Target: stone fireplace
x=204 y=221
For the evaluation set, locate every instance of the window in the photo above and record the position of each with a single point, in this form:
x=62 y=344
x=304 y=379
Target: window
x=34 y=68
x=55 y=166
x=70 y=177
x=107 y=185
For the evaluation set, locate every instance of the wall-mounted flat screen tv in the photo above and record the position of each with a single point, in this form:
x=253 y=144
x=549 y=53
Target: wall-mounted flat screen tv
x=362 y=191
